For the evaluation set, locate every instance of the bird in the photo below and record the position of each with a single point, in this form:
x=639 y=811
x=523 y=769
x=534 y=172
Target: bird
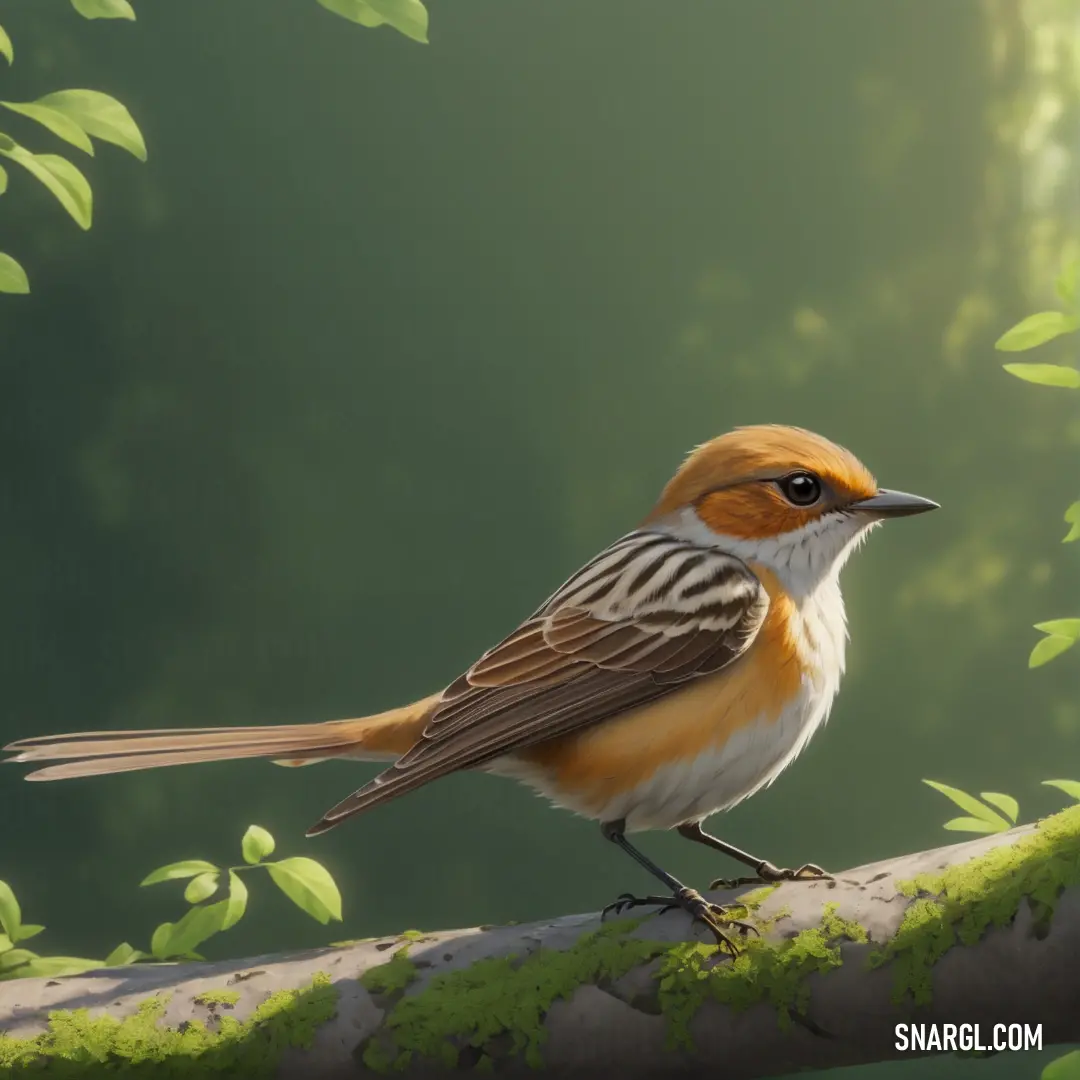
x=674 y=675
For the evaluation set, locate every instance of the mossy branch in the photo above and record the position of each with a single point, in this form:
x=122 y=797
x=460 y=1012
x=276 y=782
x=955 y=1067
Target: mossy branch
x=981 y=932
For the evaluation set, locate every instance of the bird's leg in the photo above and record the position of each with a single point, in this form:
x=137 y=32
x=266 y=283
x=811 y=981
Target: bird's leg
x=716 y=917
x=764 y=871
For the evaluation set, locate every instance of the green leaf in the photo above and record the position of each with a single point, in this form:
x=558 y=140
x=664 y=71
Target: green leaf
x=7 y=50
x=55 y=121
x=256 y=844
x=1069 y=628
x=27 y=931
x=978 y=825
x=1070 y=787
x=308 y=884
x=357 y=11
x=51 y=967
x=3 y=179
x=104 y=9
x=1050 y=646
x=409 y=17
x=123 y=955
x=160 y=940
x=12 y=276
x=14 y=957
x=10 y=913
x=1046 y=374
x=1066 y=1067
x=237 y=902
x=99 y=115
x=1005 y=803
x=184 y=869
x=5 y=943
x=61 y=177
x=194 y=928
x=1072 y=518
x=200 y=887
x=1066 y=283
x=1037 y=330
x=970 y=804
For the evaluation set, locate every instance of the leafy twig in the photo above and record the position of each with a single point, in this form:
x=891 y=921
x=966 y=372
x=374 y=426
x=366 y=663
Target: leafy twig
x=304 y=881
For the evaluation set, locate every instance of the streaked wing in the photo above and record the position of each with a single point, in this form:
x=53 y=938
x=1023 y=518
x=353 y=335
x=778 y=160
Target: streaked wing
x=648 y=613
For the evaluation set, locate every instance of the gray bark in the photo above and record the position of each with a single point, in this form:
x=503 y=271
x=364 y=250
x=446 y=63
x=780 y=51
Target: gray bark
x=1021 y=973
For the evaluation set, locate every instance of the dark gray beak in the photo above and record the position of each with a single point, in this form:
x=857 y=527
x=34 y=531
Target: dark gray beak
x=893 y=504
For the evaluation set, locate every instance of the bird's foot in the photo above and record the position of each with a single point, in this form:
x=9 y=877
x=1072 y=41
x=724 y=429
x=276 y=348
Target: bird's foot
x=625 y=901
x=767 y=874
x=717 y=917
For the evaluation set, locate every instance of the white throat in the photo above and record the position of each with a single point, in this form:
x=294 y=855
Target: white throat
x=806 y=561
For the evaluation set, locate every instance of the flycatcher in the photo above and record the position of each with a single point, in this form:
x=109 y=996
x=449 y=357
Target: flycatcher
x=677 y=673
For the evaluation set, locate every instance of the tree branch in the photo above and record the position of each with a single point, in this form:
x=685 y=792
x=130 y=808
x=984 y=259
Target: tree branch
x=984 y=932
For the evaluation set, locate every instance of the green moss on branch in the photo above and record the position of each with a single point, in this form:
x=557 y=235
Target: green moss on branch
x=78 y=1046
x=497 y=1007
x=959 y=904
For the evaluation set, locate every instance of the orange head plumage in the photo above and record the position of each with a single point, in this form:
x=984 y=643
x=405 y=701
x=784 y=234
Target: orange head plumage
x=755 y=486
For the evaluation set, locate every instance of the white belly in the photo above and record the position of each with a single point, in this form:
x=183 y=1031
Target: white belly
x=751 y=759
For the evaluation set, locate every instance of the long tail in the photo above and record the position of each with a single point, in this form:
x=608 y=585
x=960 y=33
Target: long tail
x=384 y=736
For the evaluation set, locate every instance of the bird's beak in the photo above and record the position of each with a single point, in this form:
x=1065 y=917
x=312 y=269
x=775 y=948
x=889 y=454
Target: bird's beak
x=893 y=504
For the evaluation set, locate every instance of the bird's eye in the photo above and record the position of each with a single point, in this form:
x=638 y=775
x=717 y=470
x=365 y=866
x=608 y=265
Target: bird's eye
x=800 y=489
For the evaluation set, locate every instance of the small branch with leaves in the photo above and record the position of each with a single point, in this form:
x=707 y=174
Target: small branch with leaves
x=307 y=883
x=1029 y=333
x=73 y=116
x=996 y=812
x=77 y=116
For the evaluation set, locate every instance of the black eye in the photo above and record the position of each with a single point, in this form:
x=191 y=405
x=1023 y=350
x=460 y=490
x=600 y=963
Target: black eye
x=801 y=489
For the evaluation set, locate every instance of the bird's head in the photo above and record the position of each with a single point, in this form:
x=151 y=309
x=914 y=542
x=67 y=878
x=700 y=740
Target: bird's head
x=781 y=497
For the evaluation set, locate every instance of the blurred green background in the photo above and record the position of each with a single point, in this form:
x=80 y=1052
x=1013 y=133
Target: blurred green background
x=385 y=340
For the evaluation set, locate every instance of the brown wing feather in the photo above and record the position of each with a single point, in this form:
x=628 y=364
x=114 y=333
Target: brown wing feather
x=645 y=615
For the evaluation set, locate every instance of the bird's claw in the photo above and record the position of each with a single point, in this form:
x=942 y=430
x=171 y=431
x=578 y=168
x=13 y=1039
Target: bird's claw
x=723 y=883
x=767 y=874
x=625 y=901
x=716 y=917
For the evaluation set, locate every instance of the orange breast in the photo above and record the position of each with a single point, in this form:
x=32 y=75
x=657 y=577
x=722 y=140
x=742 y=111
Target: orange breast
x=590 y=769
